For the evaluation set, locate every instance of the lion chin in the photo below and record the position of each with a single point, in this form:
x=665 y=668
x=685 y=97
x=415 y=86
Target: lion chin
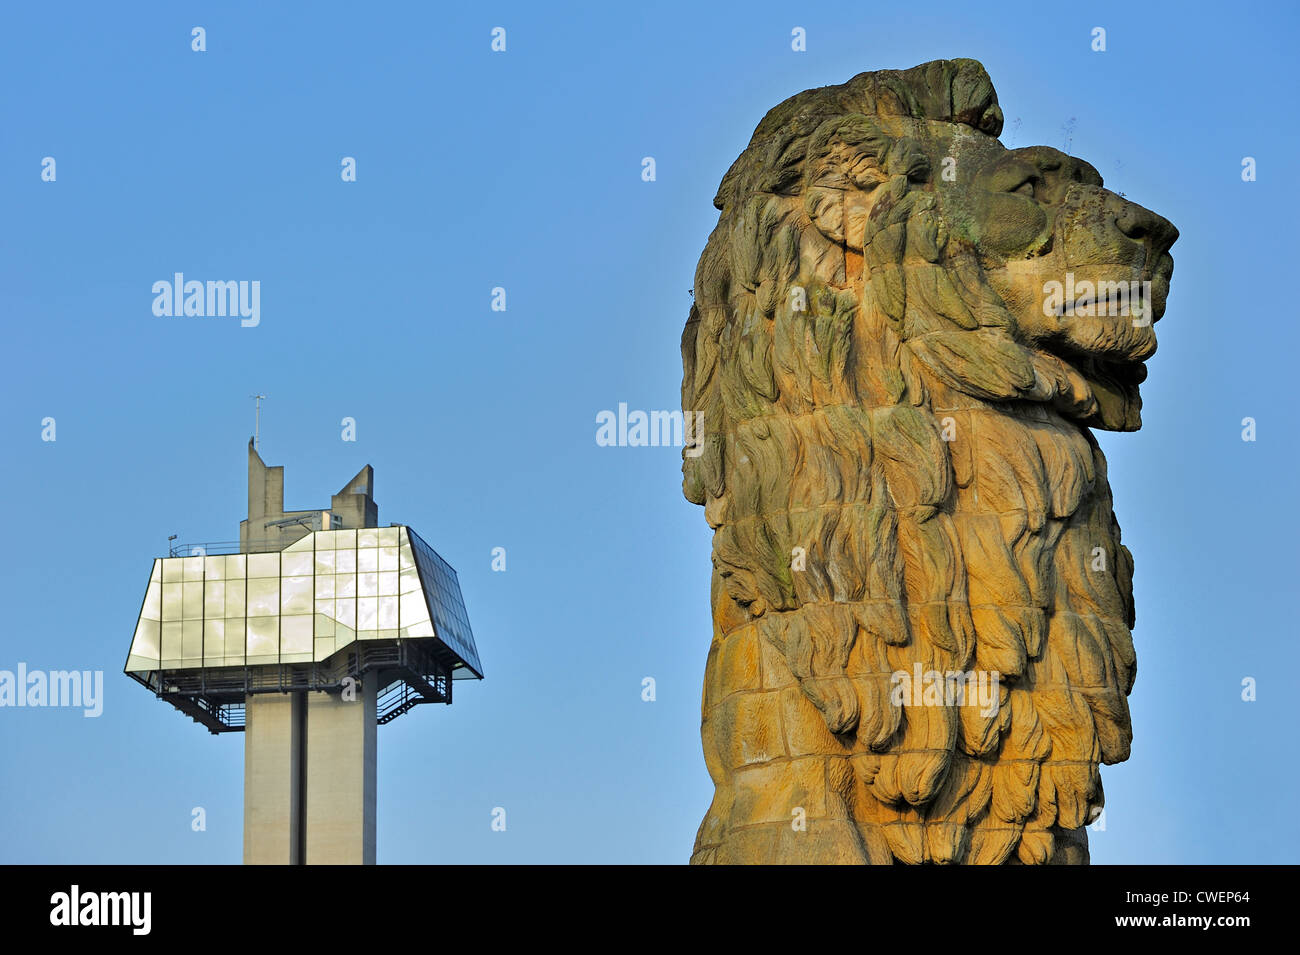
x=902 y=334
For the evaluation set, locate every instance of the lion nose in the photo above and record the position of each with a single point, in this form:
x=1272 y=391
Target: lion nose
x=1142 y=225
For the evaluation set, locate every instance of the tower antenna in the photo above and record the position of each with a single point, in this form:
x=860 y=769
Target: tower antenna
x=257 y=421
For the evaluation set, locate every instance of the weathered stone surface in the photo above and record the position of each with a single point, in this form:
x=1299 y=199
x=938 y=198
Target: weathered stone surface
x=902 y=334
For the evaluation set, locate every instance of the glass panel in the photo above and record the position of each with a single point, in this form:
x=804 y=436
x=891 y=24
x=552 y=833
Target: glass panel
x=171 y=601
x=152 y=609
x=368 y=537
x=414 y=610
x=193 y=569
x=388 y=558
x=450 y=622
x=409 y=583
x=171 y=569
x=345 y=585
x=146 y=642
x=324 y=562
x=295 y=595
x=192 y=600
x=345 y=612
x=306 y=543
x=214 y=568
x=367 y=560
x=387 y=616
x=192 y=641
x=135 y=664
x=367 y=609
x=367 y=584
x=324 y=622
x=214 y=598
x=157 y=570
x=171 y=643
x=424 y=629
x=345 y=562
x=345 y=539
x=235 y=628
x=235 y=597
x=296 y=565
x=326 y=540
x=263 y=596
x=214 y=643
x=263 y=565
x=388 y=584
x=295 y=635
x=325 y=585
x=324 y=648
x=263 y=639
x=388 y=536
x=405 y=559
x=236 y=566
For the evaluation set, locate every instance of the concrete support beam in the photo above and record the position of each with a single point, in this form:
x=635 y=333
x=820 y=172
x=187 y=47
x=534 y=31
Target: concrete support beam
x=310 y=777
x=341 y=776
x=273 y=748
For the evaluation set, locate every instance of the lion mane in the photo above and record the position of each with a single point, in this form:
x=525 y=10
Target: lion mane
x=896 y=482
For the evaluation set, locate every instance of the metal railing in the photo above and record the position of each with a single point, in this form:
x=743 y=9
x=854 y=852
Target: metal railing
x=217 y=548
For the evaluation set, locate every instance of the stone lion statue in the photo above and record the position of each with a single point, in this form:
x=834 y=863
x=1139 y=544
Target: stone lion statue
x=902 y=334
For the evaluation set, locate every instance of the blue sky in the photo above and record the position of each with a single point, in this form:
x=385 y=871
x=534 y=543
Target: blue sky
x=522 y=170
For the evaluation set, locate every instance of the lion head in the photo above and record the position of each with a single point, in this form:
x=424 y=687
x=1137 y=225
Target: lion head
x=902 y=332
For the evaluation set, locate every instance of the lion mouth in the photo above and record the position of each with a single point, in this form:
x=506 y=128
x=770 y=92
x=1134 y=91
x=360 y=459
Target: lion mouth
x=1139 y=301
x=1160 y=277
x=1115 y=386
x=1122 y=372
